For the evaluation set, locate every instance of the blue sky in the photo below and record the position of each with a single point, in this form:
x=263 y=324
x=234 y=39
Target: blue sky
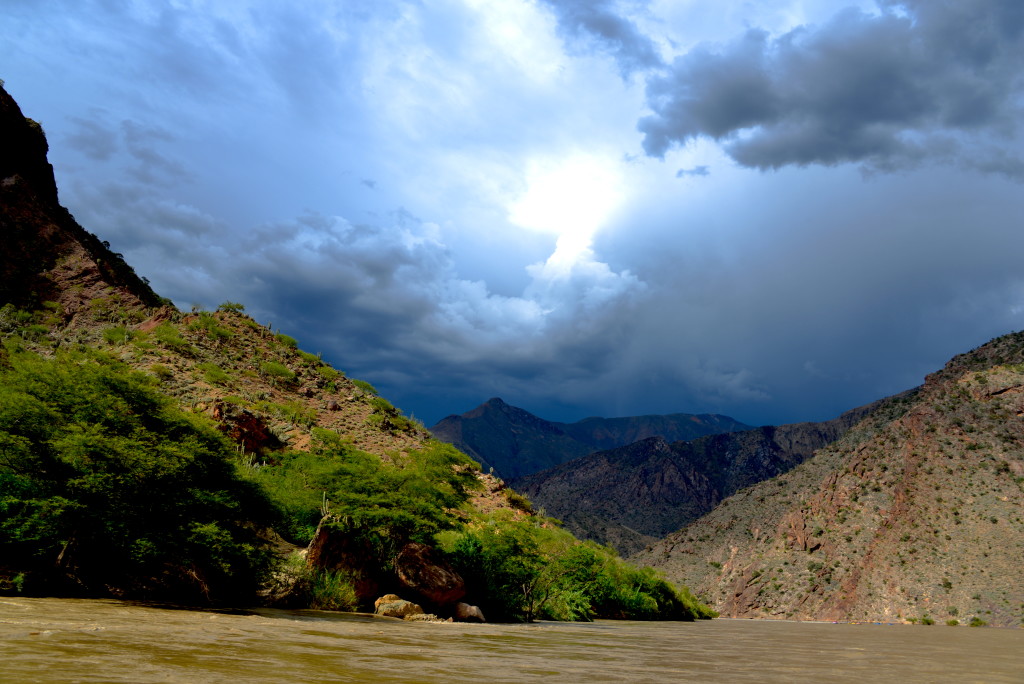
x=772 y=210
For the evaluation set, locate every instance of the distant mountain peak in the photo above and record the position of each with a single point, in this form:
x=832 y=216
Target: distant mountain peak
x=516 y=442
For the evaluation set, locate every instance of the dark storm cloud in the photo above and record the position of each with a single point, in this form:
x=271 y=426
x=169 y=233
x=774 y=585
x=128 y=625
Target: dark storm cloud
x=599 y=21
x=92 y=137
x=152 y=166
x=922 y=80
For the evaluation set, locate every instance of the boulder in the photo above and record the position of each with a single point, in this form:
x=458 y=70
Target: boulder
x=422 y=571
x=398 y=609
x=467 y=613
x=386 y=598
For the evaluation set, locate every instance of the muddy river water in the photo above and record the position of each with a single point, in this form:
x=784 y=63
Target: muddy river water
x=60 y=640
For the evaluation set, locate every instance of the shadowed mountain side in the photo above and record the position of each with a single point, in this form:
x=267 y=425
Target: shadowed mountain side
x=652 y=488
x=917 y=512
x=516 y=443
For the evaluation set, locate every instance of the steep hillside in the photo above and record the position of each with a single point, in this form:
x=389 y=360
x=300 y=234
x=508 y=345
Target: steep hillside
x=60 y=286
x=516 y=443
x=630 y=496
x=916 y=513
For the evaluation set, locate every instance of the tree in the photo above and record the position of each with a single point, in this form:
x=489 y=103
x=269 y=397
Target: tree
x=107 y=488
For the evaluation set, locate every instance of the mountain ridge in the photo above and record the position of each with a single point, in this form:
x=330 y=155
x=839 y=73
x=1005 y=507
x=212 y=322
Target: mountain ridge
x=630 y=496
x=516 y=442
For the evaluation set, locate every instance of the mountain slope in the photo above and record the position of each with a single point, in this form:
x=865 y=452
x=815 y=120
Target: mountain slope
x=917 y=511
x=628 y=497
x=515 y=442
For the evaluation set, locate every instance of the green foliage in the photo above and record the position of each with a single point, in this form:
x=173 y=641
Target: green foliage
x=277 y=372
x=517 y=500
x=976 y=622
x=387 y=418
x=208 y=322
x=528 y=569
x=328 y=373
x=13 y=319
x=952 y=622
x=214 y=374
x=105 y=486
x=231 y=307
x=332 y=590
x=168 y=337
x=162 y=372
x=287 y=341
x=365 y=386
x=118 y=334
x=293 y=411
x=307 y=358
x=378 y=505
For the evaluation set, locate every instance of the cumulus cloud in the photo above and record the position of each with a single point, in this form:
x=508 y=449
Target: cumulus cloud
x=600 y=23
x=916 y=81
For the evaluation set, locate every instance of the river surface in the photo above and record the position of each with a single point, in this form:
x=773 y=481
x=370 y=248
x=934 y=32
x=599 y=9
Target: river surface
x=77 y=640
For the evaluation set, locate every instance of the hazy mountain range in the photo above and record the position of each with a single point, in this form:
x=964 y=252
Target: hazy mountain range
x=514 y=442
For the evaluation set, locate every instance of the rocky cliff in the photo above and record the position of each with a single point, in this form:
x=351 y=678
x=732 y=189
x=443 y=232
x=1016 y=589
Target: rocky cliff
x=47 y=256
x=917 y=513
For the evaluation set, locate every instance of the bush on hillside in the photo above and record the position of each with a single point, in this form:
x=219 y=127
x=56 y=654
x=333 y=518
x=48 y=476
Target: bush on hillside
x=107 y=488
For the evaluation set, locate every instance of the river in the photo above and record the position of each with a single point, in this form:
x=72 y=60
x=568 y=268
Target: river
x=79 y=640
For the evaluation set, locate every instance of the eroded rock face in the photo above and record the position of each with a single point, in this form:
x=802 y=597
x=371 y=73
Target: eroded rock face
x=422 y=571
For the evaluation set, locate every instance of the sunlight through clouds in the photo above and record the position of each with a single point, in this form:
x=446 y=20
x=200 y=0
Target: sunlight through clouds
x=572 y=199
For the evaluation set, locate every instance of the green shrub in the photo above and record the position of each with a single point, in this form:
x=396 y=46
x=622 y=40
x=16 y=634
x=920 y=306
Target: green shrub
x=208 y=322
x=517 y=500
x=294 y=412
x=328 y=373
x=307 y=358
x=952 y=622
x=332 y=590
x=168 y=337
x=277 y=372
x=214 y=374
x=287 y=341
x=976 y=622
x=526 y=570
x=161 y=372
x=231 y=307
x=365 y=386
x=118 y=334
x=107 y=487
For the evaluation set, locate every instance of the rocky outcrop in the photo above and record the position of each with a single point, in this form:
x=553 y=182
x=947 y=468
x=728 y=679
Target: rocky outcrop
x=423 y=572
x=245 y=428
